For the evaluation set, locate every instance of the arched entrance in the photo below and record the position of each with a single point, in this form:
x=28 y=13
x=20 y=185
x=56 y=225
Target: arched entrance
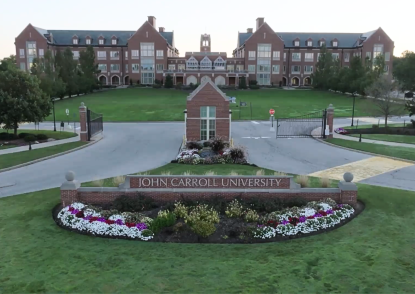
x=307 y=81
x=220 y=81
x=102 y=80
x=205 y=79
x=115 y=80
x=284 y=81
x=126 y=80
x=191 y=80
x=295 y=82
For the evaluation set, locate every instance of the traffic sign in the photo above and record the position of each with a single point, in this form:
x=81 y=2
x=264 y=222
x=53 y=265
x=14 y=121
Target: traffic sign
x=67 y=111
x=271 y=111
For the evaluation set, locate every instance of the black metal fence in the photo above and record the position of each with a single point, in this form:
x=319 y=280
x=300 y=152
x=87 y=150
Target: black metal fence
x=302 y=126
x=95 y=123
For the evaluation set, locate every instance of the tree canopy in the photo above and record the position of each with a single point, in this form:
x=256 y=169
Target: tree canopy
x=404 y=71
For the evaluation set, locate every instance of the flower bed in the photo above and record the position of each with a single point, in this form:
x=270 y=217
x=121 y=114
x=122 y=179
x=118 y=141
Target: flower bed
x=217 y=221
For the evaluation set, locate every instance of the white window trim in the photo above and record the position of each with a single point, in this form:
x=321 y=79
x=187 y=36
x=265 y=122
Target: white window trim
x=335 y=44
x=295 y=72
x=309 y=43
x=106 y=67
x=297 y=43
x=276 y=55
x=251 y=55
x=162 y=67
x=101 y=41
x=308 y=72
x=115 y=57
x=75 y=54
x=251 y=65
x=296 y=60
x=88 y=41
x=41 y=52
x=276 y=72
x=126 y=55
x=135 y=56
x=159 y=54
x=75 y=41
x=208 y=119
x=20 y=52
x=114 y=41
x=104 y=57
x=206 y=63
x=137 y=70
x=308 y=59
x=388 y=54
x=115 y=70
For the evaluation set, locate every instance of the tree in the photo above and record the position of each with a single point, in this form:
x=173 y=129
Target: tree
x=88 y=70
x=169 y=81
x=21 y=99
x=410 y=106
x=242 y=83
x=323 y=73
x=67 y=68
x=8 y=62
x=404 y=71
x=384 y=102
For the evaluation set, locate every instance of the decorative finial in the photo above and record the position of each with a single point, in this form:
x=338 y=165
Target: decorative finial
x=348 y=177
x=70 y=176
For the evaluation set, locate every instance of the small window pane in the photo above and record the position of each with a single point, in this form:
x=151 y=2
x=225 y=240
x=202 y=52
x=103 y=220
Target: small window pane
x=212 y=111
x=212 y=128
x=203 y=111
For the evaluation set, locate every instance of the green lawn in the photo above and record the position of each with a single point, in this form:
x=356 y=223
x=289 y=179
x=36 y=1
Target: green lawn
x=12 y=159
x=141 y=104
x=372 y=254
x=51 y=134
x=399 y=152
x=408 y=139
x=369 y=126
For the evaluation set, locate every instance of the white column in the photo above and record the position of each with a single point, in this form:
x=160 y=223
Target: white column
x=185 y=124
x=230 y=125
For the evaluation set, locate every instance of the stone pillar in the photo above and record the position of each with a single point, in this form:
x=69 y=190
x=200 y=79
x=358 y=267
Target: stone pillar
x=69 y=189
x=330 y=117
x=348 y=190
x=82 y=122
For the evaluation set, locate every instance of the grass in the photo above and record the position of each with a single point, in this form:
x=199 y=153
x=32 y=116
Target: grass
x=369 y=126
x=374 y=253
x=408 y=139
x=141 y=104
x=394 y=151
x=12 y=159
x=51 y=134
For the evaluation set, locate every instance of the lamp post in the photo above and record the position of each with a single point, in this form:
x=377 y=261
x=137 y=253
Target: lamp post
x=54 y=120
x=354 y=98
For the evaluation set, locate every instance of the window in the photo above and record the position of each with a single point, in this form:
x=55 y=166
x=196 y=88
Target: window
x=335 y=43
x=102 y=67
x=31 y=46
x=102 y=55
x=126 y=68
x=21 y=51
x=264 y=65
x=264 y=50
x=335 y=56
x=387 y=56
x=101 y=41
x=386 y=69
x=88 y=41
x=135 y=54
x=31 y=62
x=147 y=64
x=377 y=50
x=357 y=54
x=296 y=57
x=41 y=52
x=147 y=78
x=126 y=54
x=276 y=55
x=309 y=57
x=114 y=42
x=368 y=55
x=219 y=63
x=322 y=43
x=308 y=69
x=159 y=54
x=285 y=56
x=283 y=71
x=309 y=43
x=207 y=122
x=296 y=43
x=159 y=67
x=181 y=67
x=172 y=67
x=295 y=69
x=22 y=66
x=346 y=57
x=251 y=68
x=192 y=63
x=115 y=55
x=147 y=49
x=75 y=54
x=251 y=55
x=264 y=79
x=115 y=67
x=276 y=69
x=230 y=68
x=239 y=67
x=75 y=41
x=205 y=63
x=135 y=67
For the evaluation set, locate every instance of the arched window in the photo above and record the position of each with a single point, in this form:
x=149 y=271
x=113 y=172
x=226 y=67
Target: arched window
x=205 y=63
x=219 y=63
x=192 y=63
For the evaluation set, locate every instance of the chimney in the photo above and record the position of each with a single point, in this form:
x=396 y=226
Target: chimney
x=161 y=30
x=152 y=20
x=259 y=22
x=250 y=30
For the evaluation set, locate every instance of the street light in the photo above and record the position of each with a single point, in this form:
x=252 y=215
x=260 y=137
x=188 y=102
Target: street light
x=54 y=120
x=354 y=98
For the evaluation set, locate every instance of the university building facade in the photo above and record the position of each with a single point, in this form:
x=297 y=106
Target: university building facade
x=149 y=54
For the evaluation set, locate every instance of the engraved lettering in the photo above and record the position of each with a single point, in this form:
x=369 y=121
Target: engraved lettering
x=154 y=182
x=146 y=182
x=250 y=182
x=278 y=182
x=234 y=182
x=163 y=182
x=243 y=182
x=181 y=183
x=263 y=183
x=225 y=182
x=256 y=183
x=202 y=185
x=188 y=182
x=194 y=182
x=172 y=182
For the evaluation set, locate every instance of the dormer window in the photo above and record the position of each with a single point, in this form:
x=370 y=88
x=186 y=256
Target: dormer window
x=296 y=43
x=75 y=41
x=101 y=41
x=206 y=63
x=88 y=41
x=114 y=41
x=322 y=43
x=219 y=63
x=192 y=63
x=335 y=43
x=309 y=43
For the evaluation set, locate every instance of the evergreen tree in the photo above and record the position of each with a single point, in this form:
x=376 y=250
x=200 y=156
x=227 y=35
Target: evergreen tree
x=88 y=70
x=68 y=70
x=322 y=74
x=242 y=83
x=8 y=62
x=169 y=81
x=404 y=71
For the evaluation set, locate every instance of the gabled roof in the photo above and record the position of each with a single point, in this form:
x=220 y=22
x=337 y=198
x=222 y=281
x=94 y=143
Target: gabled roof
x=168 y=36
x=43 y=32
x=204 y=84
x=243 y=37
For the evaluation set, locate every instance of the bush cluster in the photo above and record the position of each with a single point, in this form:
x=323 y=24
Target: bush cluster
x=163 y=220
x=194 y=145
x=6 y=136
x=29 y=138
x=202 y=220
x=133 y=204
x=217 y=144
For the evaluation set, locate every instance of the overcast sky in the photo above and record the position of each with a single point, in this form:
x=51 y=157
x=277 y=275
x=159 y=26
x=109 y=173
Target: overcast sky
x=221 y=19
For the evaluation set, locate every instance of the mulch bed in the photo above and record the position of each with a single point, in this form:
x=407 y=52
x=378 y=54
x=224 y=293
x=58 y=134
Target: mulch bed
x=20 y=142
x=233 y=228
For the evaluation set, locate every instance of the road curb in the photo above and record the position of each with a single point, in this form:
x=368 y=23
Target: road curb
x=367 y=153
x=48 y=157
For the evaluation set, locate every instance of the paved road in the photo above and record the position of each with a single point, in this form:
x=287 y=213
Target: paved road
x=134 y=147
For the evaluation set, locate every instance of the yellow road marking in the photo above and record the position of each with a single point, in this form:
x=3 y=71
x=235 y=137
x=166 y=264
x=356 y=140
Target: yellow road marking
x=362 y=169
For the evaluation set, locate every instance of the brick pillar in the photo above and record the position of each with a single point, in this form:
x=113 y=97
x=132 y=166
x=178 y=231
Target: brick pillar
x=82 y=122
x=330 y=117
x=348 y=190
x=69 y=189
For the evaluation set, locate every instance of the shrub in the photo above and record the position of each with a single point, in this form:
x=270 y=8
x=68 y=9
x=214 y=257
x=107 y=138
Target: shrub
x=210 y=173
x=375 y=126
x=97 y=182
x=118 y=180
x=280 y=84
x=237 y=153
x=194 y=145
x=260 y=172
x=303 y=180
x=325 y=182
x=217 y=144
x=202 y=213
x=30 y=138
x=207 y=144
x=23 y=135
x=178 y=86
x=180 y=210
x=295 y=201
x=277 y=173
x=133 y=204
x=6 y=136
x=253 y=82
x=253 y=87
x=203 y=228
x=41 y=137
x=242 y=83
x=251 y=216
x=131 y=82
x=157 y=86
x=264 y=205
x=168 y=83
x=233 y=173
x=234 y=209
x=108 y=213
x=133 y=217
x=146 y=233
x=164 y=220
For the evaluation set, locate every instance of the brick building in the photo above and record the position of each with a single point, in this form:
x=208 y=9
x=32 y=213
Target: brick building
x=150 y=53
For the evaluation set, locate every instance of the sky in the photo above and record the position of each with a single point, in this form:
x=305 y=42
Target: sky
x=221 y=19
